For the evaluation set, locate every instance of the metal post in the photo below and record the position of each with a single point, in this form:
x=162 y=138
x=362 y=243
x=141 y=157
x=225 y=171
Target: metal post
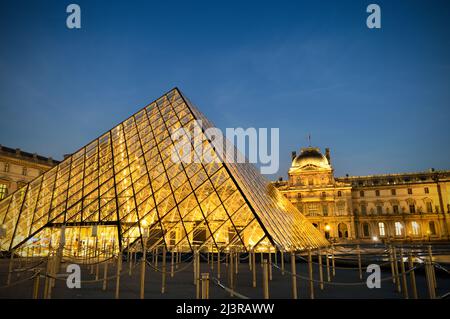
x=294 y=276
x=333 y=265
x=397 y=277
x=253 y=255
x=10 y=268
x=319 y=256
x=391 y=259
x=327 y=261
x=163 y=281
x=105 y=276
x=36 y=285
x=430 y=253
x=171 y=265
x=218 y=264
x=197 y=273
x=236 y=264
x=119 y=266
x=265 y=279
x=270 y=265
x=429 y=271
x=412 y=276
x=359 y=262
x=310 y=268
x=205 y=285
x=231 y=273
x=282 y=262
x=402 y=268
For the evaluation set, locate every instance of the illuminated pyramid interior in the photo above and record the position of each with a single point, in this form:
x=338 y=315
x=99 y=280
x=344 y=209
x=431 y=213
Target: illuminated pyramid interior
x=127 y=186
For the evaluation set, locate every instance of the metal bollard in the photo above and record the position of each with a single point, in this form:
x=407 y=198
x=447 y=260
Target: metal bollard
x=294 y=276
x=119 y=267
x=36 y=285
x=359 y=262
x=319 y=256
x=205 y=285
x=105 y=276
x=265 y=279
x=310 y=268
x=402 y=268
x=412 y=276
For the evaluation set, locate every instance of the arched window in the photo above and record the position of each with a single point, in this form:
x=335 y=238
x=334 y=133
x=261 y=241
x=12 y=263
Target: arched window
x=415 y=228
x=339 y=193
x=343 y=230
x=381 y=229
x=432 y=228
x=366 y=231
x=379 y=209
x=398 y=229
x=3 y=191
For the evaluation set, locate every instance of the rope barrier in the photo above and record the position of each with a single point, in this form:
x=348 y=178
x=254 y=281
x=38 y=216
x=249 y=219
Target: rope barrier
x=345 y=283
x=227 y=289
x=168 y=272
x=19 y=282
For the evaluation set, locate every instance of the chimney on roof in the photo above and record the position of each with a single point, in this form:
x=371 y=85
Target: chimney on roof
x=17 y=151
x=35 y=156
x=293 y=155
x=50 y=160
x=327 y=155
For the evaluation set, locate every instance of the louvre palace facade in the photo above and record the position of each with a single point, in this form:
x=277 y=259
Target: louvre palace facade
x=400 y=207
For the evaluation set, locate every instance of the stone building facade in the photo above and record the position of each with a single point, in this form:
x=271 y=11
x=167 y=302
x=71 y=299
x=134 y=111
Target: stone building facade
x=403 y=207
x=17 y=168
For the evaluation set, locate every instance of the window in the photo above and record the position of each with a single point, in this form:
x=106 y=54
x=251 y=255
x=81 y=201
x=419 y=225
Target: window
x=24 y=171
x=341 y=209
x=324 y=194
x=310 y=181
x=313 y=209
x=299 y=195
x=412 y=209
x=398 y=228
x=361 y=193
x=381 y=229
x=3 y=191
x=395 y=209
x=379 y=209
x=415 y=228
x=363 y=209
x=6 y=168
x=393 y=192
x=339 y=194
x=366 y=232
x=427 y=191
x=432 y=228
x=377 y=193
x=325 y=210
x=429 y=207
x=410 y=191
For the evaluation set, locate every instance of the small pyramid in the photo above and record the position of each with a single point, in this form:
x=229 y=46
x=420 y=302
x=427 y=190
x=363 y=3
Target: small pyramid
x=131 y=185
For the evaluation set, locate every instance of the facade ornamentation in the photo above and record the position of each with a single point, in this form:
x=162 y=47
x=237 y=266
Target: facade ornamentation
x=403 y=207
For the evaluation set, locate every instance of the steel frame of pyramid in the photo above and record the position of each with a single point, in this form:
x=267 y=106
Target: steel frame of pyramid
x=127 y=187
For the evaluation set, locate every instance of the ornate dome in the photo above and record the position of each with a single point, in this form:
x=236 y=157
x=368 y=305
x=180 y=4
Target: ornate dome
x=310 y=157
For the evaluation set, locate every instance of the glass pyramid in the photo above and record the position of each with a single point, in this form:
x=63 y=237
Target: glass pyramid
x=124 y=188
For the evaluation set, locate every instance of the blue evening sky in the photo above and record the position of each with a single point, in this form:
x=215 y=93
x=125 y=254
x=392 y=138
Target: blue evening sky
x=379 y=99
